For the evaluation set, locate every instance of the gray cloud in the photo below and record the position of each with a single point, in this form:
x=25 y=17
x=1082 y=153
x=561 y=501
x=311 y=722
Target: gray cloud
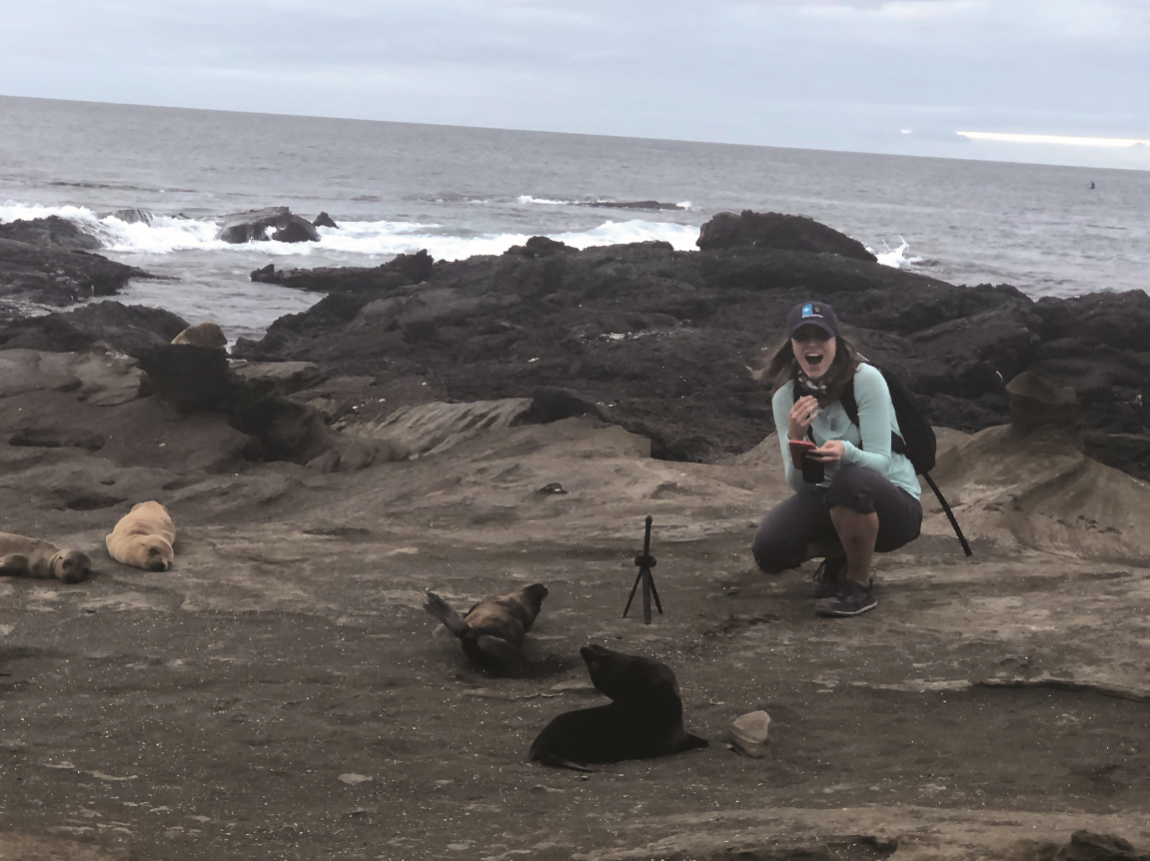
x=842 y=74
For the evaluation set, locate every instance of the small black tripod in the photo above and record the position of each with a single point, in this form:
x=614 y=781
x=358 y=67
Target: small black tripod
x=645 y=562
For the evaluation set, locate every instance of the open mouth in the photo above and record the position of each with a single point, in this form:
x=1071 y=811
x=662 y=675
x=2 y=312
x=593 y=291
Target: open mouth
x=814 y=359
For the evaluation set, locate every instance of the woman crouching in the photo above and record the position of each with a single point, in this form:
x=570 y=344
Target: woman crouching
x=866 y=498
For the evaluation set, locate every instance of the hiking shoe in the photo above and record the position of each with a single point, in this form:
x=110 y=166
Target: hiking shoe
x=852 y=599
x=829 y=577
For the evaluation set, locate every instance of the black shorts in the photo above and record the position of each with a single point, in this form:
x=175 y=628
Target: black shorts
x=805 y=518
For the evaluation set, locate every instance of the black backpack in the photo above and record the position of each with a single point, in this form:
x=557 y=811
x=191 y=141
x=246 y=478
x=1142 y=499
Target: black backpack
x=917 y=441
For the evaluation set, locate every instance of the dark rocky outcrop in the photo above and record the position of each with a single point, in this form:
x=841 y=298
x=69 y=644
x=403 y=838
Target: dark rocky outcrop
x=403 y=270
x=48 y=261
x=128 y=329
x=659 y=341
x=1086 y=846
x=780 y=232
x=51 y=232
x=324 y=220
x=50 y=276
x=539 y=246
x=652 y=205
x=255 y=225
x=134 y=216
x=1035 y=404
x=650 y=338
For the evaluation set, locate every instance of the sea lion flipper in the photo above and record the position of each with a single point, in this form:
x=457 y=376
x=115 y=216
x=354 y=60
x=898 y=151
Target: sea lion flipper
x=497 y=650
x=693 y=742
x=442 y=611
x=14 y=565
x=545 y=757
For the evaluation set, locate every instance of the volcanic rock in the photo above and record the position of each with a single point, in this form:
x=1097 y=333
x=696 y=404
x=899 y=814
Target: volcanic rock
x=663 y=342
x=629 y=204
x=1035 y=403
x=779 y=232
x=127 y=329
x=429 y=428
x=253 y=225
x=51 y=232
x=134 y=216
x=324 y=220
x=748 y=734
x=539 y=246
x=1088 y=846
x=52 y=275
x=403 y=270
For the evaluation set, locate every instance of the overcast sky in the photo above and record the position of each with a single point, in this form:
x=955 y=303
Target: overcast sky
x=864 y=75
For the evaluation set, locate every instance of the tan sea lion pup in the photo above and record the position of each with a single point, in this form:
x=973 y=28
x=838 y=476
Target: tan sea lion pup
x=143 y=538
x=31 y=557
x=202 y=335
x=492 y=632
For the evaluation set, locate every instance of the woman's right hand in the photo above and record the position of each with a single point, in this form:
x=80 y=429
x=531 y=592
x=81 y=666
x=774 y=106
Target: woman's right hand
x=800 y=417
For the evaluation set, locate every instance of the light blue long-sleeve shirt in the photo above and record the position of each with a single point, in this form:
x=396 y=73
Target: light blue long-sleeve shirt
x=865 y=444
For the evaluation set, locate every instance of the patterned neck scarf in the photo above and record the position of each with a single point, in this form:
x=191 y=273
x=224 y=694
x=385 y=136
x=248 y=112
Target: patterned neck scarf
x=811 y=387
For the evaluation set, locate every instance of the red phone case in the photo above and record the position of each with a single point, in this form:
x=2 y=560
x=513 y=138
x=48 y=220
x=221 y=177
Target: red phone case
x=798 y=448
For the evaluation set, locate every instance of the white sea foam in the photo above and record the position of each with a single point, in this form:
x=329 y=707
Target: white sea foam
x=163 y=236
x=896 y=258
x=368 y=239
x=11 y=210
x=681 y=236
x=527 y=198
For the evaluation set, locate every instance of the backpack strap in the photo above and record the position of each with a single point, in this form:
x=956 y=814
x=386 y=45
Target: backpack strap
x=850 y=405
x=949 y=514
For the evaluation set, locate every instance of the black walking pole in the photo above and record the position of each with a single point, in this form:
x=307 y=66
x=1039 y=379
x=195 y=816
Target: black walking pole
x=645 y=562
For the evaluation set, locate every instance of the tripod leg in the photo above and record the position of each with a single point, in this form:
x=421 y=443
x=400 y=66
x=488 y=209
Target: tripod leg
x=632 y=595
x=645 y=573
x=655 y=592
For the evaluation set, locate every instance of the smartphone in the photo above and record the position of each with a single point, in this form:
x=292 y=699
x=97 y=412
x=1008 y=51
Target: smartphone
x=813 y=470
x=799 y=448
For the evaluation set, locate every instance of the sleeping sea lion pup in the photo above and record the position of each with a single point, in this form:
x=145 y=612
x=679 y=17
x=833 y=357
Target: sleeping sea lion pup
x=492 y=632
x=143 y=537
x=202 y=335
x=644 y=720
x=31 y=557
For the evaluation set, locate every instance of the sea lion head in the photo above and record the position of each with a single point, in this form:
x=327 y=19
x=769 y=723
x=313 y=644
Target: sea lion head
x=71 y=566
x=158 y=555
x=625 y=677
x=532 y=598
x=202 y=335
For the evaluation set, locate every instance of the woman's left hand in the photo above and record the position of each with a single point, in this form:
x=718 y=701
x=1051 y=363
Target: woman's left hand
x=830 y=451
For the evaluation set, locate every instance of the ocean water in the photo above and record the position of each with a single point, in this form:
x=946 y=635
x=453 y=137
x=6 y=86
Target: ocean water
x=398 y=187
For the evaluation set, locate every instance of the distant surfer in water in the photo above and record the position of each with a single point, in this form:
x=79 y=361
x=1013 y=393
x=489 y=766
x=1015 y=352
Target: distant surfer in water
x=1091 y=186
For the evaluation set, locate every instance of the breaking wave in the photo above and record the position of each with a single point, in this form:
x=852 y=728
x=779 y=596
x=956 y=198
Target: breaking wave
x=370 y=239
x=897 y=257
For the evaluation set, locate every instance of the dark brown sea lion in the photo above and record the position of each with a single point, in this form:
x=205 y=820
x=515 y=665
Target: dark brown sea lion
x=644 y=720
x=492 y=632
x=30 y=557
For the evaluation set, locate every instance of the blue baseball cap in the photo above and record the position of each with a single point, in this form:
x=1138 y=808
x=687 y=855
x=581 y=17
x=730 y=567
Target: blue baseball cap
x=813 y=314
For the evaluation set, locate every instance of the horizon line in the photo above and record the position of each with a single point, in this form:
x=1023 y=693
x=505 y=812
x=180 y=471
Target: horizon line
x=1062 y=140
